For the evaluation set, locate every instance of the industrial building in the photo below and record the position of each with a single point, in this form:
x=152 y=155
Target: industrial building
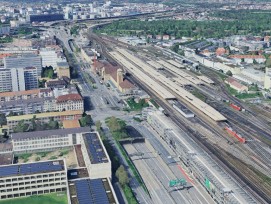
x=47 y=140
x=20 y=180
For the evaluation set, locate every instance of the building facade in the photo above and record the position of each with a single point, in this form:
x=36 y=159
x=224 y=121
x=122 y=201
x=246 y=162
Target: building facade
x=24 y=78
x=95 y=156
x=5 y=80
x=22 y=61
x=47 y=140
x=13 y=121
x=20 y=180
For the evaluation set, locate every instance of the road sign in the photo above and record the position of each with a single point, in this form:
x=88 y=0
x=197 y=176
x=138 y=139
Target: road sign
x=177 y=182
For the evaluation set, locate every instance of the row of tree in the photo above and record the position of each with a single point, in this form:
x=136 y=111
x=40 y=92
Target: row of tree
x=233 y=23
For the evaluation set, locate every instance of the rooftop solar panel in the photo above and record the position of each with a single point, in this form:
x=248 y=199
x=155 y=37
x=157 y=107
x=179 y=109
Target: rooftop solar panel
x=32 y=168
x=91 y=191
x=94 y=147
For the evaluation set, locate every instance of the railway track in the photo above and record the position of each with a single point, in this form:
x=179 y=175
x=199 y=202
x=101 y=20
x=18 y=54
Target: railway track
x=214 y=152
x=209 y=149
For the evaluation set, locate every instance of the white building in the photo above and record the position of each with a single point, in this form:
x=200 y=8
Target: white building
x=50 y=57
x=20 y=180
x=95 y=155
x=47 y=140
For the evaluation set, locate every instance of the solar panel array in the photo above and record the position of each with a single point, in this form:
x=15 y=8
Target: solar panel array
x=91 y=191
x=95 y=149
x=32 y=168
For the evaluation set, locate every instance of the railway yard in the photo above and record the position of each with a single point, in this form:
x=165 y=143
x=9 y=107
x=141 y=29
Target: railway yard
x=221 y=145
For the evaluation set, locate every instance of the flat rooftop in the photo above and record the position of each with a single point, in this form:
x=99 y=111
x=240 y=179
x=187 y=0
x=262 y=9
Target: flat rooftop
x=71 y=124
x=44 y=115
x=6 y=159
x=91 y=191
x=47 y=133
x=31 y=168
x=95 y=149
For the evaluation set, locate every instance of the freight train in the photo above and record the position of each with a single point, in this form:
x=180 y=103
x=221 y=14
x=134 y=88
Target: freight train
x=237 y=136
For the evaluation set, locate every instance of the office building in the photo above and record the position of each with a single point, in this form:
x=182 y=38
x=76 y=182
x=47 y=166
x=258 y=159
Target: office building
x=20 y=180
x=22 y=61
x=47 y=140
x=85 y=190
x=24 y=78
x=45 y=17
x=95 y=155
x=18 y=79
x=5 y=80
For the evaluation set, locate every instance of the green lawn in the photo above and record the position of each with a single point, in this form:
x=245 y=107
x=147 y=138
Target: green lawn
x=243 y=95
x=52 y=198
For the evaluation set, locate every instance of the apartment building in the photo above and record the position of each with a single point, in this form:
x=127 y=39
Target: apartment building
x=70 y=102
x=95 y=155
x=20 y=180
x=40 y=100
x=13 y=121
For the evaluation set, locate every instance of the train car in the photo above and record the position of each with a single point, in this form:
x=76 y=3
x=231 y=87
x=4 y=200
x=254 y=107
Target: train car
x=235 y=107
x=235 y=134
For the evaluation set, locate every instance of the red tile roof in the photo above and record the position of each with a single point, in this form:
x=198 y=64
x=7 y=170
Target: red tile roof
x=69 y=97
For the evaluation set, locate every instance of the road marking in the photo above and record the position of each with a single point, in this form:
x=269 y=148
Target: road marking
x=186 y=176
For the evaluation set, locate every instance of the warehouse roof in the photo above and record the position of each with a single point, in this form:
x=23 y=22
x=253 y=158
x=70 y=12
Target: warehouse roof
x=47 y=133
x=31 y=168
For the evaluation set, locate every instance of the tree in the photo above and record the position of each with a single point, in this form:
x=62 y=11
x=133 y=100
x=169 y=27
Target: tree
x=122 y=176
x=98 y=125
x=229 y=73
x=114 y=124
x=3 y=119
